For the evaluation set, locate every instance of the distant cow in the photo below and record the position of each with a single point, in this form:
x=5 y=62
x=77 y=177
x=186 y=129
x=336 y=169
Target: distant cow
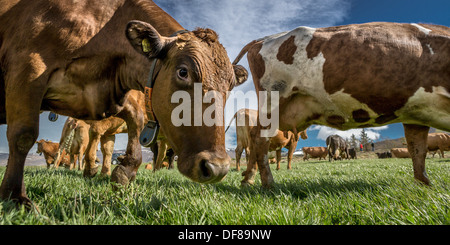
x=286 y=139
x=438 y=142
x=50 y=149
x=75 y=134
x=352 y=153
x=400 y=152
x=382 y=155
x=315 y=152
x=337 y=147
x=355 y=76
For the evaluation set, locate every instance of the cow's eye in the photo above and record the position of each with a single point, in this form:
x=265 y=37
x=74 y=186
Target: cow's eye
x=182 y=73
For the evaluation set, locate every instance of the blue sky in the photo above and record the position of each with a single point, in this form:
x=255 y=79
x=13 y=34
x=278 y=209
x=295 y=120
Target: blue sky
x=239 y=21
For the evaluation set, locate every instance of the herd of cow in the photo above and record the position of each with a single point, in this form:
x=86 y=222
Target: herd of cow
x=85 y=59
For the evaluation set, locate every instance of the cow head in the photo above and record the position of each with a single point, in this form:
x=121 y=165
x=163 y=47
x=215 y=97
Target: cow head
x=39 y=149
x=185 y=60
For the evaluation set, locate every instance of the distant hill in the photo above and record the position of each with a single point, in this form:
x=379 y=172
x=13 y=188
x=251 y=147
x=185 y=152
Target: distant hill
x=390 y=143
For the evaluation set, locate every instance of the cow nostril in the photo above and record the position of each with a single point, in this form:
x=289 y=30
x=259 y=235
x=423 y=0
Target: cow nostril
x=206 y=172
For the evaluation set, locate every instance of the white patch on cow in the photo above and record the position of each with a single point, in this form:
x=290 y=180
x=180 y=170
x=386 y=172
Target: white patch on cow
x=422 y=29
x=307 y=76
x=418 y=109
x=431 y=50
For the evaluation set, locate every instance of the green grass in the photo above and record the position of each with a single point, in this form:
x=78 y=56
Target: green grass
x=357 y=192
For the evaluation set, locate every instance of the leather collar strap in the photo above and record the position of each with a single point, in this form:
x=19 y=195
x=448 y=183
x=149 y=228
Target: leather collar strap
x=150 y=132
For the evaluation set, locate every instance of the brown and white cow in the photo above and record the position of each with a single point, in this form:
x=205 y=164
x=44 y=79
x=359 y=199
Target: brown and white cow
x=439 y=142
x=75 y=59
x=356 y=76
x=50 y=149
x=314 y=152
x=246 y=121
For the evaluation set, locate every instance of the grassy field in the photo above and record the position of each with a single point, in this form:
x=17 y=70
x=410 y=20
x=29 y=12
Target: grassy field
x=356 y=192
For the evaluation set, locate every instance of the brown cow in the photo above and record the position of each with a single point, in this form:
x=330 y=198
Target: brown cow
x=75 y=59
x=400 y=152
x=76 y=134
x=315 y=152
x=245 y=118
x=50 y=149
x=353 y=76
x=439 y=141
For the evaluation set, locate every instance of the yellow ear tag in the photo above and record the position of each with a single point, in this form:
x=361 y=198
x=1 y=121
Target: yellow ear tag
x=146 y=46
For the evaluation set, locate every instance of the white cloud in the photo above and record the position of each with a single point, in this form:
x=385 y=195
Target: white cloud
x=324 y=132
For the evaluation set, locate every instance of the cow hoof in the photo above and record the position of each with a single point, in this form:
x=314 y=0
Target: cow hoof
x=91 y=172
x=246 y=183
x=267 y=184
x=423 y=181
x=25 y=201
x=120 y=176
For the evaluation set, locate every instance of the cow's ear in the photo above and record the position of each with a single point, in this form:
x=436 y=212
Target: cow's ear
x=145 y=39
x=241 y=75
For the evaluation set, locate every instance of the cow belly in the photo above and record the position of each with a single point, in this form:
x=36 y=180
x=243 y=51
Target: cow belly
x=67 y=97
x=431 y=107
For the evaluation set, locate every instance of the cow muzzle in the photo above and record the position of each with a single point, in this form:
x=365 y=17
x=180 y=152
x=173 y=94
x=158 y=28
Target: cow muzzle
x=209 y=167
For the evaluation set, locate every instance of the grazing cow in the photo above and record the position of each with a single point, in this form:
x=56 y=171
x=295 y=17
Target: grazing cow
x=76 y=60
x=400 y=153
x=245 y=119
x=355 y=76
x=439 y=141
x=50 y=149
x=382 y=155
x=337 y=147
x=315 y=152
x=285 y=139
x=352 y=153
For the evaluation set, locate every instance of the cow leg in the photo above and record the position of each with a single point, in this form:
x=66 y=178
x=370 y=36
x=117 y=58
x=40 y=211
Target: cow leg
x=442 y=153
x=22 y=111
x=250 y=173
x=278 y=152
x=72 y=162
x=107 y=148
x=416 y=138
x=291 y=151
x=259 y=149
x=154 y=149
x=127 y=169
x=238 y=151
x=162 y=149
x=91 y=168
x=80 y=157
x=57 y=159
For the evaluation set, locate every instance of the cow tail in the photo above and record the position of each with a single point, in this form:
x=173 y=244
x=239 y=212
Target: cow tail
x=235 y=114
x=244 y=51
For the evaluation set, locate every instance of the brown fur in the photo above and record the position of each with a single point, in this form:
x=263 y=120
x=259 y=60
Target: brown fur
x=400 y=152
x=287 y=51
x=50 y=149
x=281 y=140
x=75 y=60
x=438 y=141
x=314 y=152
x=391 y=54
